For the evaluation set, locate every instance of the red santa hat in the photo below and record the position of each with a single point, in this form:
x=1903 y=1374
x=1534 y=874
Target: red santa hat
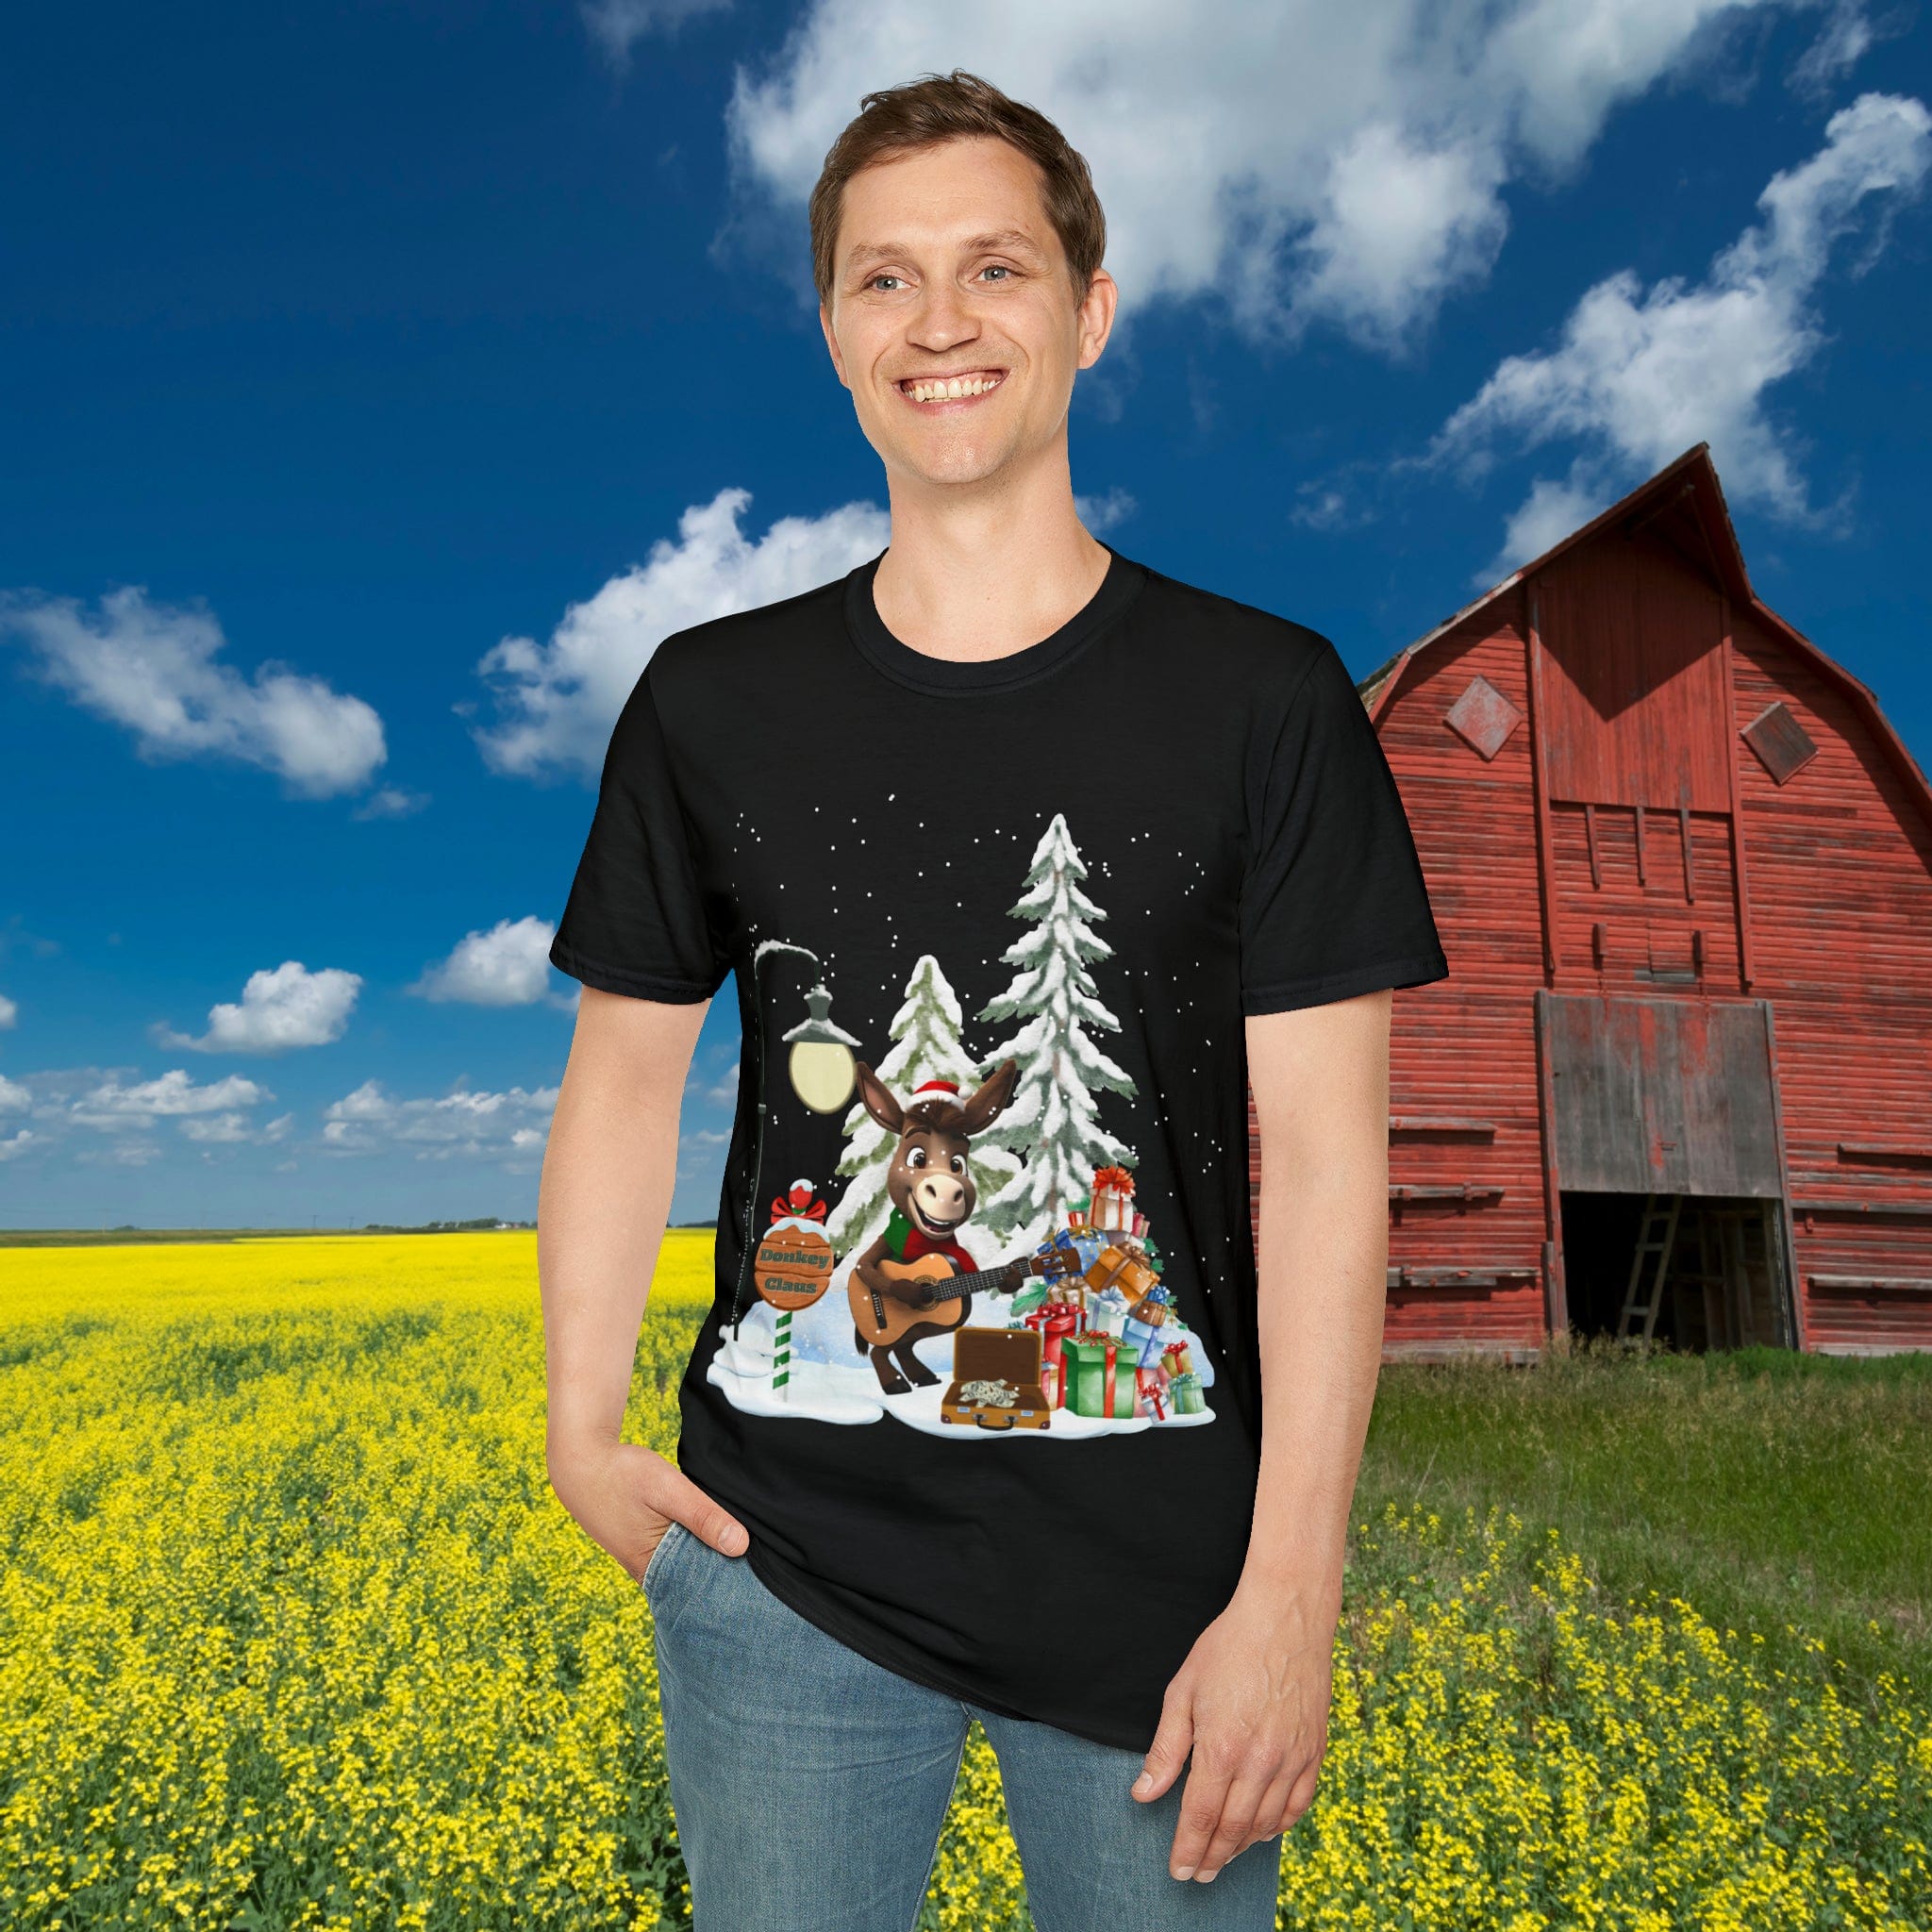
x=937 y=1090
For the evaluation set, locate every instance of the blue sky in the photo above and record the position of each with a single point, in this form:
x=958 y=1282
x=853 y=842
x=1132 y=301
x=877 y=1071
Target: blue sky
x=378 y=377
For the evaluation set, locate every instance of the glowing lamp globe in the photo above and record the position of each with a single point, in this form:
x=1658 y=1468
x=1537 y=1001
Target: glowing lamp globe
x=822 y=1066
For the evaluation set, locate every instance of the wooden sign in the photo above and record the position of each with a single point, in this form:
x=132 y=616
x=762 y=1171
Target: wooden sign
x=792 y=1267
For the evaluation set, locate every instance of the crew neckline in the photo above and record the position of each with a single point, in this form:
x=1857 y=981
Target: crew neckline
x=923 y=672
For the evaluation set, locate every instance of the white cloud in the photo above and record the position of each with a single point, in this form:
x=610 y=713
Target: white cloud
x=14 y=1098
x=112 y=1107
x=1847 y=37
x=122 y=1153
x=469 y=1125
x=280 y=1008
x=1297 y=159
x=1640 y=375
x=721 y=1091
x=222 y=1129
x=507 y=966
x=509 y=1126
x=616 y=24
x=18 y=1145
x=390 y=802
x=559 y=699
x=156 y=668
x=10 y=1013
x=1552 y=510
x=1103 y=513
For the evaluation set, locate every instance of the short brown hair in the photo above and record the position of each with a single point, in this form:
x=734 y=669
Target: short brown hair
x=953 y=106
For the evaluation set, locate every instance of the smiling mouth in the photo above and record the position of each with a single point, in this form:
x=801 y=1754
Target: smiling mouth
x=937 y=391
x=935 y=1225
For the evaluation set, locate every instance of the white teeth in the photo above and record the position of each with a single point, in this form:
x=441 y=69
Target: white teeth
x=953 y=387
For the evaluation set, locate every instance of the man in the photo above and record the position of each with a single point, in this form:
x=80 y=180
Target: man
x=1139 y=1612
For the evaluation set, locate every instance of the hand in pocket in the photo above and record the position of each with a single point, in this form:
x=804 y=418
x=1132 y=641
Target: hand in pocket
x=625 y=1497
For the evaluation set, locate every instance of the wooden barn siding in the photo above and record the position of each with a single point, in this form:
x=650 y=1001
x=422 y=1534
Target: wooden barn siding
x=1839 y=865
x=1649 y=914
x=1465 y=1047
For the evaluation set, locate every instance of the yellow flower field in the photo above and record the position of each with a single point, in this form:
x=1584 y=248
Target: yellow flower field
x=295 y=1634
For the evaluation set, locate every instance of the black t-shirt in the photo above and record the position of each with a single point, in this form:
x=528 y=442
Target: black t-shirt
x=1089 y=858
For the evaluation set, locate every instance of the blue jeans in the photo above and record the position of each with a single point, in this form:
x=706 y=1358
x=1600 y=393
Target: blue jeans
x=811 y=1785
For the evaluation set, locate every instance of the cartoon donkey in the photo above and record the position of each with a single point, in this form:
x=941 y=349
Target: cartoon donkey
x=916 y=1279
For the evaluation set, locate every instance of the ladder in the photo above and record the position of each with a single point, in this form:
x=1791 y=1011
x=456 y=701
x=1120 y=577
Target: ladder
x=1657 y=1235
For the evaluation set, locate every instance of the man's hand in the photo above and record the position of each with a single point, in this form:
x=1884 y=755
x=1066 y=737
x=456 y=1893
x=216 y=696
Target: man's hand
x=625 y=1497
x=1251 y=1703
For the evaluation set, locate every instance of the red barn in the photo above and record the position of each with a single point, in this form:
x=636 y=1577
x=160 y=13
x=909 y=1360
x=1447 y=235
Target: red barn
x=1679 y=1079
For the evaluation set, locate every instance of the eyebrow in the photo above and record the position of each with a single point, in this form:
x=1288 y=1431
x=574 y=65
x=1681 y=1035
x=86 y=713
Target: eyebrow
x=1014 y=240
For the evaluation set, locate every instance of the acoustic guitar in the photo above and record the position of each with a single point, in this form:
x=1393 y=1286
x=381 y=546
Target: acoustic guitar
x=883 y=1319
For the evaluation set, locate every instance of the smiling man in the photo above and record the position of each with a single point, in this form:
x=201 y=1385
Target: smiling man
x=1133 y=1587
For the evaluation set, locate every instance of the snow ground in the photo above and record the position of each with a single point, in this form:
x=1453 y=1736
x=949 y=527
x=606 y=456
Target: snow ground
x=849 y=1392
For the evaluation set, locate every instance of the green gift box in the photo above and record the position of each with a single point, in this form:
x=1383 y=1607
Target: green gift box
x=1184 y=1393
x=1083 y=1362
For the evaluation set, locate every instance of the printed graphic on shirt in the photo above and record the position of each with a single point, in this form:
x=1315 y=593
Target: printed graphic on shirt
x=986 y=1273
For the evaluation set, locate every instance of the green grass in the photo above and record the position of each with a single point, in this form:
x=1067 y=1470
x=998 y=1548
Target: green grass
x=1780 y=1493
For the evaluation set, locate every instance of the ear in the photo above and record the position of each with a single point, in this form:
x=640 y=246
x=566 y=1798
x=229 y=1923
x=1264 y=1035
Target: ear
x=990 y=1097
x=1097 y=316
x=878 y=1100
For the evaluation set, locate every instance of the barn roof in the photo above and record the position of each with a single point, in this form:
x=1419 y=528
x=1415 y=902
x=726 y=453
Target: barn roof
x=1686 y=503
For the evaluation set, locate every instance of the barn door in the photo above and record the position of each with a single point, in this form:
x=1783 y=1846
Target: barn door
x=1629 y=671
x=1660 y=1095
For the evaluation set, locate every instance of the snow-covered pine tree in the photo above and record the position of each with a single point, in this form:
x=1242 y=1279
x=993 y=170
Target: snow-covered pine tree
x=1051 y=1122
x=927 y=1032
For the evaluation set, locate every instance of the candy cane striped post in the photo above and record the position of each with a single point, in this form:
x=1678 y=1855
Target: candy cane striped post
x=781 y=1362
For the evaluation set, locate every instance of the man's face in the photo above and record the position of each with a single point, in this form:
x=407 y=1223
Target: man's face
x=952 y=318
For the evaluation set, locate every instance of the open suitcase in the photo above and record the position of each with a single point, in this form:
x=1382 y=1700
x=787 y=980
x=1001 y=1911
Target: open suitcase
x=1006 y=1355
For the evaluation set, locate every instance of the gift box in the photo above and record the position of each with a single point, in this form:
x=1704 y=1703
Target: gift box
x=1153 y=1306
x=1074 y=1249
x=1053 y=1322
x=1143 y=1342
x=1177 y=1357
x=1184 y=1393
x=1098 y=1374
x=1125 y=1268
x=1113 y=1205
x=1149 y=1392
x=1107 y=1312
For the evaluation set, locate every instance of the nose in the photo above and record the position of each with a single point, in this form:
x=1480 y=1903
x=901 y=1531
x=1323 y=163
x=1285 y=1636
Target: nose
x=943 y=319
x=946 y=1195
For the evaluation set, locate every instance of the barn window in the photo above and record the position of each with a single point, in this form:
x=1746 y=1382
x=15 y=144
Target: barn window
x=1782 y=743
x=1483 y=717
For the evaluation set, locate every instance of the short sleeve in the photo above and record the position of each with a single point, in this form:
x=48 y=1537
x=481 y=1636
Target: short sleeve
x=635 y=922
x=1333 y=900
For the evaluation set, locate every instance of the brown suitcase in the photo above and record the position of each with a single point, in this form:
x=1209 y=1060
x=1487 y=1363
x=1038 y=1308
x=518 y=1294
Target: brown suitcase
x=1011 y=1355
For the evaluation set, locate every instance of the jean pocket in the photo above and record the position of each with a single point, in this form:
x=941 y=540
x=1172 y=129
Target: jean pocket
x=654 y=1566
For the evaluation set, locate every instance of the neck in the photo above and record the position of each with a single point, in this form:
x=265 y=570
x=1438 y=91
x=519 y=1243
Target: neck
x=981 y=571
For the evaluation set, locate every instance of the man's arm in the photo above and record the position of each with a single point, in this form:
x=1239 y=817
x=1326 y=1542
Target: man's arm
x=601 y=1206
x=1252 y=1700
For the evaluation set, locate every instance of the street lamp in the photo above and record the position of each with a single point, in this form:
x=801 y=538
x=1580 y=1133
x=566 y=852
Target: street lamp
x=822 y=1067
x=824 y=1073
